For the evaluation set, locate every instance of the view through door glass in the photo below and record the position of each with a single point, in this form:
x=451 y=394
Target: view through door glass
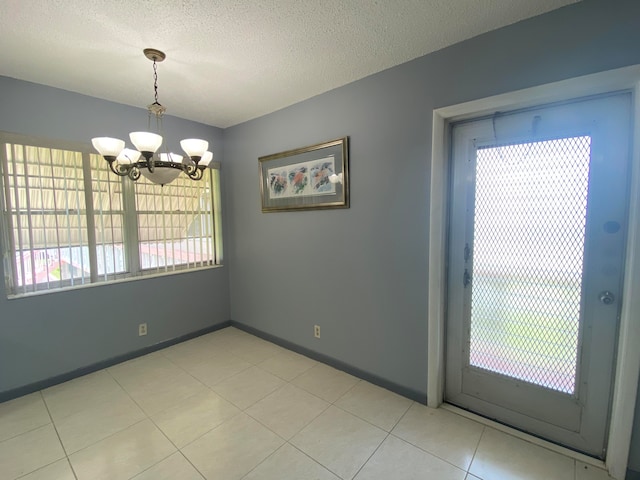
x=537 y=234
x=528 y=239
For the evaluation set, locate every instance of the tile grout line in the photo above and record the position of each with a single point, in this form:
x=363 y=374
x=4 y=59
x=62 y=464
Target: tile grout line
x=170 y=407
x=178 y=450
x=109 y=436
x=191 y=463
x=31 y=429
x=264 y=459
x=266 y=426
x=211 y=430
x=145 y=414
x=55 y=428
x=287 y=441
x=520 y=435
x=333 y=404
x=475 y=450
x=282 y=378
x=148 y=417
x=128 y=395
x=372 y=454
x=367 y=421
x=360 y=418
x=428 y=452
x=431 y=453
x=276 y=433
x=286 y=382
x=330 y=404
x=25 y=432
x=314 y=460
x=240 y=410
x=467 y=470
x=210 y=387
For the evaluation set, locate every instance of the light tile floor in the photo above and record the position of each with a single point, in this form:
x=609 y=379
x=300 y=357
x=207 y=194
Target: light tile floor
x=230 y=406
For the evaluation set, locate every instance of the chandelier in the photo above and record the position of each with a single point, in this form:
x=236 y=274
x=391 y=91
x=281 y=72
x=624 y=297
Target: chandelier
x=160 y=168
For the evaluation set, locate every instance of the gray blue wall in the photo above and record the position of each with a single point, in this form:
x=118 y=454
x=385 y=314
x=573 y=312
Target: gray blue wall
x=361 y=273
x=49 y=335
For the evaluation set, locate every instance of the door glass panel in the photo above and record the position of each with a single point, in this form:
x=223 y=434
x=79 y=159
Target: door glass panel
x=528 y=249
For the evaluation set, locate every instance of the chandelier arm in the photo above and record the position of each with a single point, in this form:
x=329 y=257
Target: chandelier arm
x=191 y=170
x=196 y=174
x=121 y=170
x=134 y=173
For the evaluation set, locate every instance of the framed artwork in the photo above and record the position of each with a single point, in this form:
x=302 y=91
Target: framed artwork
x=315 y=177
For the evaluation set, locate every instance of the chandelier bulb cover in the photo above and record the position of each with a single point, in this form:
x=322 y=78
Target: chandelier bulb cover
x=160 y=168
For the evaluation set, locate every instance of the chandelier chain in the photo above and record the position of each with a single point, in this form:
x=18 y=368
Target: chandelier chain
x=155 y=79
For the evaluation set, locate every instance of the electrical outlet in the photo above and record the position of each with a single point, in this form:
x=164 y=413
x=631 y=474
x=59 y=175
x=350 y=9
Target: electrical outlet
x=316 y=331
x=142 y=329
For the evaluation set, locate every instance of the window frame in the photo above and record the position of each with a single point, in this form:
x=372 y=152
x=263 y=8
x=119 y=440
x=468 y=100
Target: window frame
x=130 y=226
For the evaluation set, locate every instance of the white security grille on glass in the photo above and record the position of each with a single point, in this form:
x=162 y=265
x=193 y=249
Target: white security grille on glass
x=47 y=216
x=529 y=234
x=175 y=224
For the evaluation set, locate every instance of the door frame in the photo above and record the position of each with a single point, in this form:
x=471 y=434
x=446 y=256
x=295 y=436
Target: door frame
x=628 y=356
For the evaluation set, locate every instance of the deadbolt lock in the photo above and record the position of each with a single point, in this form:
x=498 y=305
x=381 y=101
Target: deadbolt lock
x=607 y=297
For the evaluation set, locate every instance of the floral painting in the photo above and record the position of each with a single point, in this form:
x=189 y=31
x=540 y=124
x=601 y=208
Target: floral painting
x=320 y=173
x=299 y=179
x=277 y=183
x=302 y=179
x=314 y=177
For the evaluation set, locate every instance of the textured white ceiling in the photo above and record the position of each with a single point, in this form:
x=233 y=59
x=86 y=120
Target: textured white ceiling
x=231 y=61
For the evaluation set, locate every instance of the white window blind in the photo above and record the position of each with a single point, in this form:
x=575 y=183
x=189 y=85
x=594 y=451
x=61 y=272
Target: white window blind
x=175 y=223
x=108 y=215
x=65 y=220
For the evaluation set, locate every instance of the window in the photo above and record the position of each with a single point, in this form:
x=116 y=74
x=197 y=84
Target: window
x=174 y=223
x=68 y=221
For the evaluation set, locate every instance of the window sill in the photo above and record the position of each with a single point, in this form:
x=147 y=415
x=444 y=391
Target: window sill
x=140 y=276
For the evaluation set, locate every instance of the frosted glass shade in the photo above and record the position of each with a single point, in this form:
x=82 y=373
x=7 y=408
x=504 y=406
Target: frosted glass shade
x=107 y=146
x=206 y=159
x=146 y=141
x=170 y=157
x=161 y=176
x=128 y=156
x=194 y=147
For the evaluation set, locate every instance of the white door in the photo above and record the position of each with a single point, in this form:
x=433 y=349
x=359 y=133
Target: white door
x=536 y=247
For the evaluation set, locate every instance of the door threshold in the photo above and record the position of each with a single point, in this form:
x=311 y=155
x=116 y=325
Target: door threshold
x=567 y=452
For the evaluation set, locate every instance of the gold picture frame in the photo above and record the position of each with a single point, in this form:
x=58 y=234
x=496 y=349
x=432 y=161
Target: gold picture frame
x=309 y=178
